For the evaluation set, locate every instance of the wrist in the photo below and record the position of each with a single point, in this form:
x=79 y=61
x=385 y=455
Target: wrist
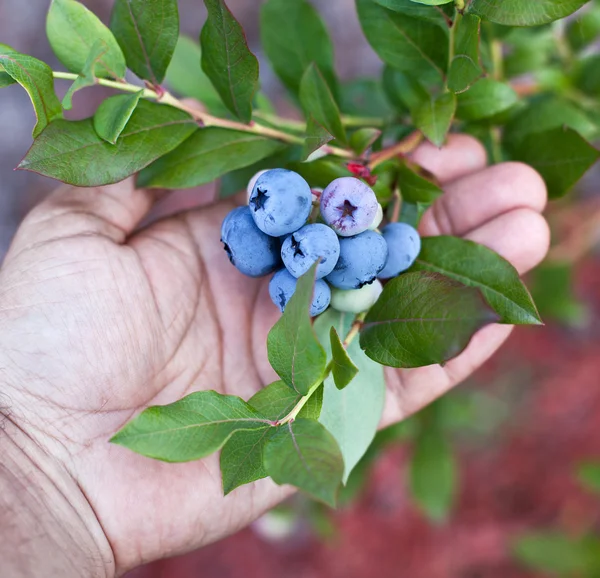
x=47 y=526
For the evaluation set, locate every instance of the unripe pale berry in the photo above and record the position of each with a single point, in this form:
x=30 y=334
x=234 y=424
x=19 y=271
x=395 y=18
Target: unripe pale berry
x=356 y=300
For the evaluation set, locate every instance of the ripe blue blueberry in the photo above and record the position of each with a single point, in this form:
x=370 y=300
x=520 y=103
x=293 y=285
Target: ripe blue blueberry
x=302 y=248
x=362 y=257
x=280 y=202
x=250 y=250
x=404 y=245
x=348 y=206
x=283 y=285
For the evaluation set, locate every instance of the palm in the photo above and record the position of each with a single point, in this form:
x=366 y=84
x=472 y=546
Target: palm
x=151 y=320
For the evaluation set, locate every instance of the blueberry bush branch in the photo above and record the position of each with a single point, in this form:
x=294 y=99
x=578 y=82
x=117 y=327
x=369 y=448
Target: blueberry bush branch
x=334 y=198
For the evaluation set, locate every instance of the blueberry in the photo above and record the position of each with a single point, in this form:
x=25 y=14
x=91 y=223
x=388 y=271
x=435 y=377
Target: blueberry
x=348 y=206
x=283 y=285
x=302 y=248
x=404 y=245
x=252 y=181
x=362 y=257
x=250 y=250
x=356 y=300
x=280 y=202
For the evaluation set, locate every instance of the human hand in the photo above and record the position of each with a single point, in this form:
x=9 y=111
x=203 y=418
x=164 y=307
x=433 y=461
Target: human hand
x=100 y=322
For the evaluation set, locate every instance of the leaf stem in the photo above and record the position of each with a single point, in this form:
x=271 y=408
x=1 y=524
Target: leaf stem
x=354 y=330
x=405 y=146
x=497 y=59
x=208 y=119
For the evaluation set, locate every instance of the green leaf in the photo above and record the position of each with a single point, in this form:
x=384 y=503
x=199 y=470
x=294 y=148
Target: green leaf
x=312 y=408
x=415 y=188
x=5 y=78
x=343 y=368
x=87 y=76
x=241 y=458
x=477 y=266
x=316 y=137
x=236 y=181
x=227 y=60
x=186 y=77
x=465 y=67
x=363 y=138
x=523 y=12
x=364 y=97
x=560 y=155
x=242 y=455
x=433 y=473
x=403 y=91
x=559 y=554
x=584 y=29
x=434 y=117
x=321 y=172
x=548 y=112
x=415 y=10
x=432 y=2
x=303 y=453
x=275 y=401
x=208 y=154
x=318 y=102
x=486 y=98
x=36 y=78
x=554 y=295
x=352 y=414
x=147 y=32
x=587 y=76
x=73 y=30
x=530 y=50
x=293 y=349
x=418 y=194
x=189 y=429
x=423 y=318
x=73 y=153
x=588 y=474
x=293 y=36
x=408 y=44
x=113 y=114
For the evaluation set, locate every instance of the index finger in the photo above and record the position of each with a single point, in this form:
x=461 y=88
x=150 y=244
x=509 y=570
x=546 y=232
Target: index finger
x=460 y=156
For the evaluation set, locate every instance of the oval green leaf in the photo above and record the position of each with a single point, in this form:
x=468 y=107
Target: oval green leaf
x=318 y=102
x=227 y=60
x=65 y=147
x=113 y=114
x=72 y=31
x=304 y=454
x=433 y=116
x=477 y=266
x=422 y=319
x=147 y=32
x=351 y=414
x=36 y=78
x=208 y=154
x=189 y=429
x=486 y=98
x=561 y=155
x=525 y=12
x=293 y=348
x=242 y=455
x=293 y=36
x=406 y=43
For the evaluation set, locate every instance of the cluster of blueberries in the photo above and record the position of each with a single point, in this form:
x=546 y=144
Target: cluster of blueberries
x=282 y=231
